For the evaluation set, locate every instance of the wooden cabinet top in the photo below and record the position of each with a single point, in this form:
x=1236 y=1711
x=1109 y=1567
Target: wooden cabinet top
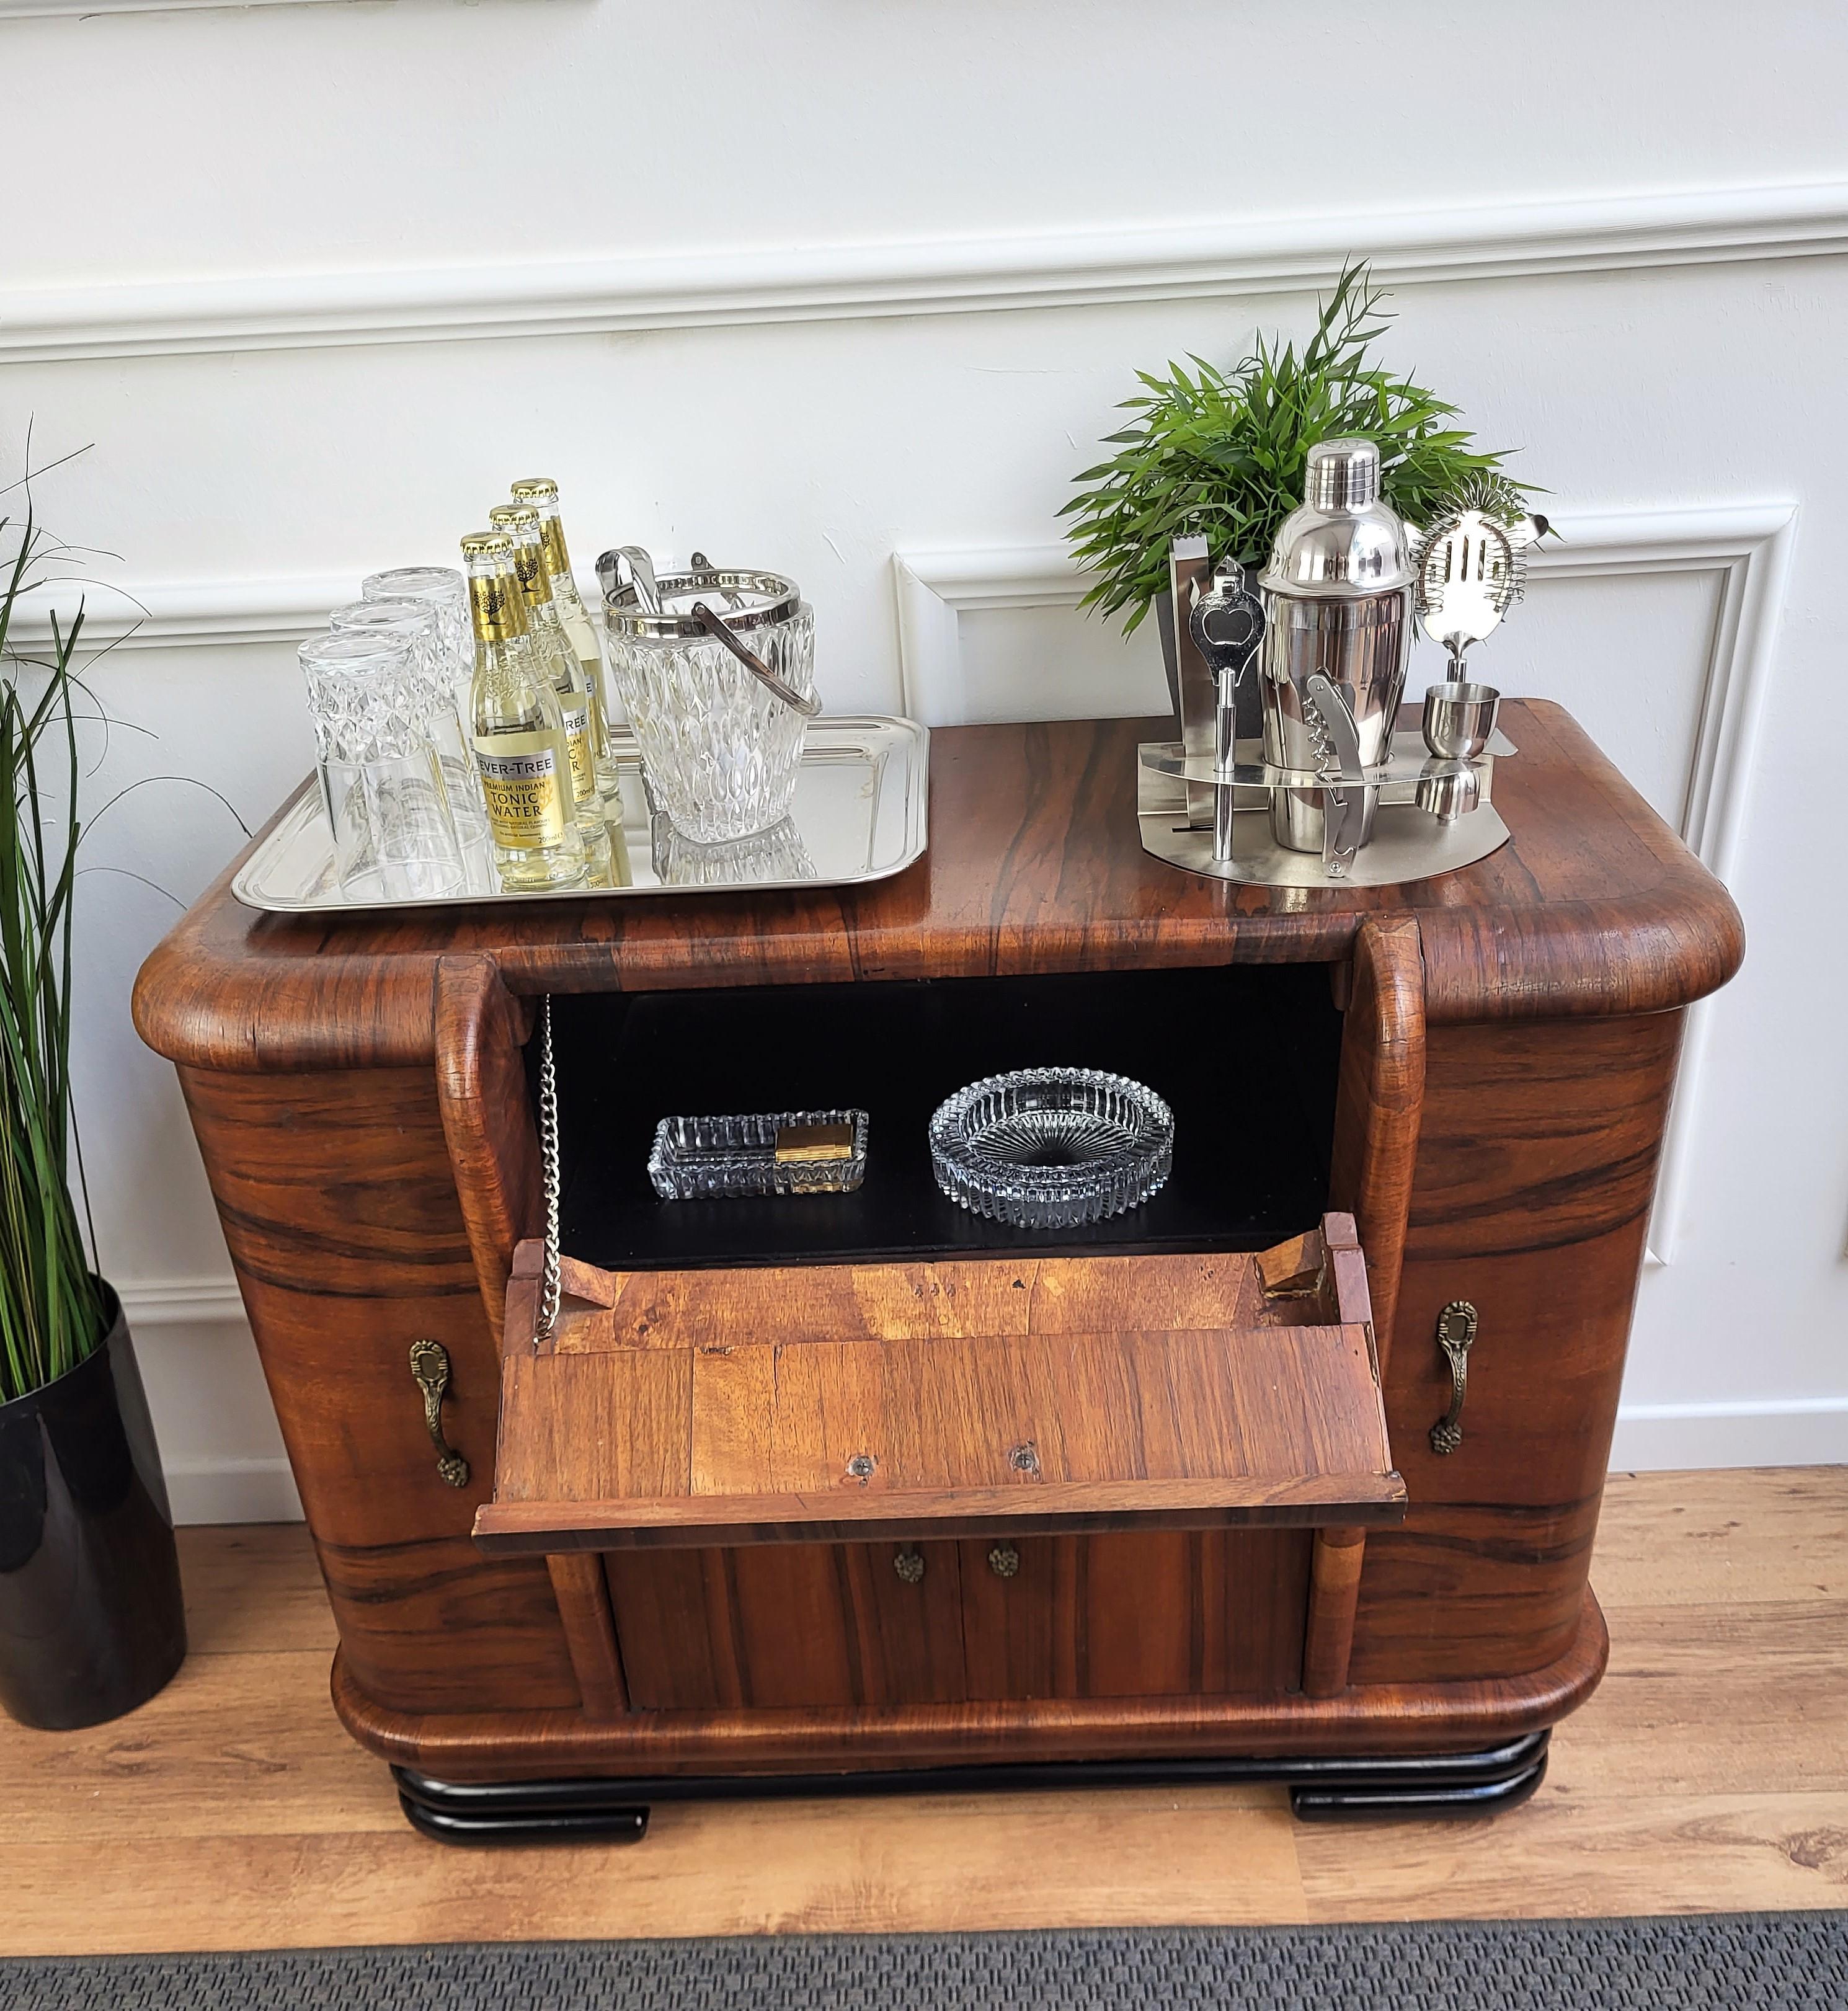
x=1594 y=907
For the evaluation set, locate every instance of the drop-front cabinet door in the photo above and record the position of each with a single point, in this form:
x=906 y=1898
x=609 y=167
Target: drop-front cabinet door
x=1004 y=1478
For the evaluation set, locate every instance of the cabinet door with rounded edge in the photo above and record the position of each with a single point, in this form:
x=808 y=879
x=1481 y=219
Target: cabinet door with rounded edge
x=789 y=1625
x=766 y=1458
x=1164 y=1612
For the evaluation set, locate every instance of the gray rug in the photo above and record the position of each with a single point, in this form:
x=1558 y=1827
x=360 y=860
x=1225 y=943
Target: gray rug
x=1730 y=1962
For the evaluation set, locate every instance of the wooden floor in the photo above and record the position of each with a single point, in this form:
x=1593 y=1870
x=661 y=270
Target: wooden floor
x=1709 y=1772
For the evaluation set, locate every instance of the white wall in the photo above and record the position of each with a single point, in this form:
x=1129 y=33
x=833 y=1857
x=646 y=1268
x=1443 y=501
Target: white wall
x=820 y=283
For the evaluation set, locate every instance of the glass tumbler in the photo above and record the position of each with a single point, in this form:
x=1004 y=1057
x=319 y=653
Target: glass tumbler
x=445 y=592
x=415 y=622
x=381 y=777
x=716 y=669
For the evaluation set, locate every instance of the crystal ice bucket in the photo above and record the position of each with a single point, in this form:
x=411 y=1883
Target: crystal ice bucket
x=715 y=668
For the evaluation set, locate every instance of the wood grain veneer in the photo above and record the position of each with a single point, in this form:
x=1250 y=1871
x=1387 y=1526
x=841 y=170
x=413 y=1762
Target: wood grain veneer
x=1458 y=1716
x=928 y=1400
x=358 y=1086
x=1594 y=907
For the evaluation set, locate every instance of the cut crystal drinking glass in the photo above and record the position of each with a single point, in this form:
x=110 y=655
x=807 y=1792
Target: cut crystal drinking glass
x=381 y=779
x=1051 y=1148
x=445 y=592
x=417 y=623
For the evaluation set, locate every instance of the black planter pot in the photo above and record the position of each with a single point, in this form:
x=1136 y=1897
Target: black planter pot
x=92 y=1621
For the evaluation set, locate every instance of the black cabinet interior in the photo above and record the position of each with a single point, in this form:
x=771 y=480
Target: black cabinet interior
x=1246 y=1056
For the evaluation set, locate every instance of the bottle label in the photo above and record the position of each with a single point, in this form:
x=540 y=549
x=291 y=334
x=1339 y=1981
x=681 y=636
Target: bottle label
x=577 y=738
x=530 y=569
x=525 y=804
x=493 y=605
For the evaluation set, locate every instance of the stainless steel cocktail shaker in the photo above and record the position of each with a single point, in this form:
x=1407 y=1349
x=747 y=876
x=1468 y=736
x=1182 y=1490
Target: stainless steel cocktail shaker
x=1337 y=594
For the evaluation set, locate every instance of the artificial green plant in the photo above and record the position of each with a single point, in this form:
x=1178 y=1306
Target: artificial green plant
x=1221 y=453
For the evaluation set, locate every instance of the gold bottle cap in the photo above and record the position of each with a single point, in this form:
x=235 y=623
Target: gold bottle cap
x=515 y=517
x=487 y=545
x=534 y=489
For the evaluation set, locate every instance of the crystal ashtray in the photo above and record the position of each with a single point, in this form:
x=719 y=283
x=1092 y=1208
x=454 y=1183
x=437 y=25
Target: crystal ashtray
x=1051 y=1148
x=785 y=1152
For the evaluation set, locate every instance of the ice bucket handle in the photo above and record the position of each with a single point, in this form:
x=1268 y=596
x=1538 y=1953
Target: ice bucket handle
x=781 y=687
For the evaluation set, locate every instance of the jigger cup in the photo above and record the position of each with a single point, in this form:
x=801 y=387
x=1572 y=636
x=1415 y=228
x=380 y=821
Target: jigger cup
x=1460 y=719
x=1450 y=794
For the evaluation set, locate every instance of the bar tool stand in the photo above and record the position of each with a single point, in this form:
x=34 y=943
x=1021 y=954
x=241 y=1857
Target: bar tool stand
x=1332 y=794
x=1423 y=823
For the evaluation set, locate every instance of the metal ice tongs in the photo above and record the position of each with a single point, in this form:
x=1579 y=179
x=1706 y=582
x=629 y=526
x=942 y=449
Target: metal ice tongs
x=641 y=571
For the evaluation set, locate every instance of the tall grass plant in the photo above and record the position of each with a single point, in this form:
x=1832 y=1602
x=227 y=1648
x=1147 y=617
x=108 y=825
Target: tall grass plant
x=51 y=1309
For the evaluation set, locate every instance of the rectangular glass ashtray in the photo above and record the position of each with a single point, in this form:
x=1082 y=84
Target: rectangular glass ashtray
x=785 y=1152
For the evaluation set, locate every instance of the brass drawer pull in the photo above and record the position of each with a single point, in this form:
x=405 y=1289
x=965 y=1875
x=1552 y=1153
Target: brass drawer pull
x=429 y=1370
x=1456 y=1329
x=1004 y=1560
x=909 y=1565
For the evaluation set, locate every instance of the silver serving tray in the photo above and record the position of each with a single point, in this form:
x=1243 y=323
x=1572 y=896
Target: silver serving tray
x=860 y=814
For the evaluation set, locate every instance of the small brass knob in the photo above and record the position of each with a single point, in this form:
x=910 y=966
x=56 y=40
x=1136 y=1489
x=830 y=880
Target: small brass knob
x=909 y=1565
x=1004 y=1560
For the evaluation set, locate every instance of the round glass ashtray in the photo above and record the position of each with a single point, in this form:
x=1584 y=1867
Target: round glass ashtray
x=1051 y=1148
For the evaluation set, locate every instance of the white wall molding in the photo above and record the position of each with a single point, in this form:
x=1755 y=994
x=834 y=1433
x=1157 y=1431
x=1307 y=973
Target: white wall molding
x=1748 y=544
x=188 y=614
x=216 y=1487
x=935 y=589
x=204 y=1301
x=183 y=614
x=729 y=287
x=29 y=10
x=1795 y=1431
x=231 y=1490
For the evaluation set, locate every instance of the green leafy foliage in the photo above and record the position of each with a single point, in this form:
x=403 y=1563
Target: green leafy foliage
x=1223 y=455
x=51 y=1307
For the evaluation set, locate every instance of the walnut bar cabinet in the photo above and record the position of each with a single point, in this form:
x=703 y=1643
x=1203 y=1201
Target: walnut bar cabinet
x=1292 y=1473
